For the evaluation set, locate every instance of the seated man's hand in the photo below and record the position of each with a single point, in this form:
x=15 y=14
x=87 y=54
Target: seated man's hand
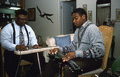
x=36 y=46
x=54 y=51
x=21 y=47
x=68 y=56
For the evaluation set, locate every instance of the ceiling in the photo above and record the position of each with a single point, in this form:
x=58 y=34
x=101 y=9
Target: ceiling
x=98 y=1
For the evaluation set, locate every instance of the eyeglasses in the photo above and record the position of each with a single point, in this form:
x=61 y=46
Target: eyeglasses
x=22 y=19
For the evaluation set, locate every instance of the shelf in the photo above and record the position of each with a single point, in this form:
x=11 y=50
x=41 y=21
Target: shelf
x=7 y=6
x=5 y=19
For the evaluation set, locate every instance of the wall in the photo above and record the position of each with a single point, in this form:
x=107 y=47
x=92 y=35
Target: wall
x=46 y=29
x=91 y=6
x=116 y=4
x=42 y=26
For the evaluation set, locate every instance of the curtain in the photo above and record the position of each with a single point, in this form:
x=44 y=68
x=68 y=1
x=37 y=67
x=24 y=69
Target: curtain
x=102 y=15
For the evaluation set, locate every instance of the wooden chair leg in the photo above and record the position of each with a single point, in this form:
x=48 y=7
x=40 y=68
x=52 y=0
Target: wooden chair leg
x=23 y=72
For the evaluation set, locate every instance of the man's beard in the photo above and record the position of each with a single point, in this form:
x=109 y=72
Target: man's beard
x=78 y=26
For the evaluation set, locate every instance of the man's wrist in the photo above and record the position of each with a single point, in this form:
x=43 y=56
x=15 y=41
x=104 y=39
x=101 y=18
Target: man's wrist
x=60 y=49
x=16 y=47
x=79 y=53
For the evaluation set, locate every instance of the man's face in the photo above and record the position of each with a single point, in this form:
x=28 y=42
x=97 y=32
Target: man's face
x=77 y=20
x=21 y=20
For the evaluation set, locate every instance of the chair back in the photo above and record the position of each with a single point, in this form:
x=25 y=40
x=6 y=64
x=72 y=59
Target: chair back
x=2 y=56
x=107 y=35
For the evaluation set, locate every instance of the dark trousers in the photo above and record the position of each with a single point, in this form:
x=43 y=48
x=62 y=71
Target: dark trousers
x=85 y=64
x=12 y=61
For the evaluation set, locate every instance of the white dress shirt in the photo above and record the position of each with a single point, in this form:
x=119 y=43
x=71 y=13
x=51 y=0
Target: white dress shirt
x=7 y=36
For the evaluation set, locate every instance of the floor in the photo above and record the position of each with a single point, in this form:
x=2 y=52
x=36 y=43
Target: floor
x=110 y=61
x=26 y=68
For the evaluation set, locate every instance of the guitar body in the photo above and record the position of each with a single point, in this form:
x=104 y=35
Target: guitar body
x=73 y=66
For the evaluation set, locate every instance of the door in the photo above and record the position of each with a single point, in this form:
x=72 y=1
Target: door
x=66 y=16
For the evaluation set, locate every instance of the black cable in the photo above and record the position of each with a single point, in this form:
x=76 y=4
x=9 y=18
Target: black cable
x=18 y=64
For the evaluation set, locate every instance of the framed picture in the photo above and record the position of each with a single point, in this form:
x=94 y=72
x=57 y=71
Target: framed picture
x=90 y=15
x=118 y=14
x=85 y=7
x=31 y=14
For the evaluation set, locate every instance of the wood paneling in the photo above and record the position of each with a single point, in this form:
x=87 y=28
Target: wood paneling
x=22 y=4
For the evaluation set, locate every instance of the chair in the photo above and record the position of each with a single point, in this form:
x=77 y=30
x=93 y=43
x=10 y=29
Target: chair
x=2 y=53
x=22 y=64
x=107 y=35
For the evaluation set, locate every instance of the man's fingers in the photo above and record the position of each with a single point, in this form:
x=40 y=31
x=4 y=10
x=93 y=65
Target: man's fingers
x=54 y=51
x=40 y=47
x=36 y=46
x=68 y=57
x=65 y=59
x=51 y=52
x=23 y=47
